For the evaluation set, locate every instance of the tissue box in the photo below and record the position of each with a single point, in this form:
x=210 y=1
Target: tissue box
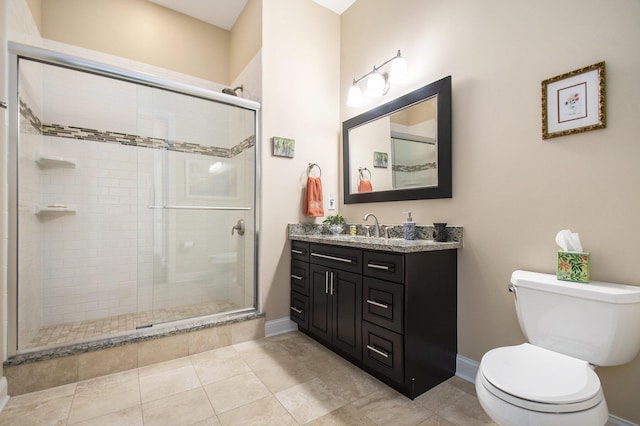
x=573 y=266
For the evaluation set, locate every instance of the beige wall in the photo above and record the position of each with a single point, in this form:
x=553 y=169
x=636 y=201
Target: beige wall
x=301 y=86
x=142 y=31
x=245 y=39
x=512 y=191
x=35 y=7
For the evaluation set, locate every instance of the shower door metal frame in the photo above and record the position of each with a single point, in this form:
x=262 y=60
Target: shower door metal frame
x=19 y=50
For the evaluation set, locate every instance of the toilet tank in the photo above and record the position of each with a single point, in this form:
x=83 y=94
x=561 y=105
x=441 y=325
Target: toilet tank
x=597 y=322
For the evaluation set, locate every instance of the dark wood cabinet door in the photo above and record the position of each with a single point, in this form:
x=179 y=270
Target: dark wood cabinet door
x=320 y=299
x=345 y=289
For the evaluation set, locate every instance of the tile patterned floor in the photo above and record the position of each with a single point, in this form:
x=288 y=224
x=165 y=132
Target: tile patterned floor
x=81 y=331
x=282 y=380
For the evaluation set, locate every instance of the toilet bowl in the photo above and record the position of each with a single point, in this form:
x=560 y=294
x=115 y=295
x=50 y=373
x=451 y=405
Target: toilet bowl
x=528 y=385
x=571 y=327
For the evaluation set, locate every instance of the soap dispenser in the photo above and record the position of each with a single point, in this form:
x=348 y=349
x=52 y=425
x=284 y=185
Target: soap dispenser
x=409 y=227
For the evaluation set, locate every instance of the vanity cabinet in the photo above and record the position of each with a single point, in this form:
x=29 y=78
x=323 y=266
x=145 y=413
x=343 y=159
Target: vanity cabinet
x=336 y=297
x=392 y=314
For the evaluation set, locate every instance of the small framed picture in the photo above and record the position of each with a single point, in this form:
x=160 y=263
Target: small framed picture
x=574 y=102
x=283 y=147
x=380 y=159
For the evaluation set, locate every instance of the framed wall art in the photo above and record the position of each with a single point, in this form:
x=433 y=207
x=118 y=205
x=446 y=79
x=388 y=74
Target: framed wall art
x=574 y=102
x=380 y=159
x=283 y=147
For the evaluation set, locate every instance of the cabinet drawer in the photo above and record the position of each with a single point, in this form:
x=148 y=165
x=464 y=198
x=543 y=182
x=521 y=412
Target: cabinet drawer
x=300 y=277
x=343 y=258
x=385 y=266
x=383 y=351
x=300 y=250
x=383 y=303
x=299 y=311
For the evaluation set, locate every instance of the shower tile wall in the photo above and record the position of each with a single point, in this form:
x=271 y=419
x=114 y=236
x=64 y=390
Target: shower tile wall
x=106 y=259
x=91 y=264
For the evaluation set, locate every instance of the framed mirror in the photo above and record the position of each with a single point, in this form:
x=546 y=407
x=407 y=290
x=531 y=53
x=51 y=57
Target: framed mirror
x=400 y=150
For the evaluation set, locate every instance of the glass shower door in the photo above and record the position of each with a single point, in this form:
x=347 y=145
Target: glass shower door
x=201 y=207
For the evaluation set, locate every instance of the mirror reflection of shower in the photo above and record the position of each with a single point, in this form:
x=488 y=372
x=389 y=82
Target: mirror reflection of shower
x=234 y=91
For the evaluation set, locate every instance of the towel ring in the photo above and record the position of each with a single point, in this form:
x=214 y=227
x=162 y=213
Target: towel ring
x=311 y=166
x=363 y=169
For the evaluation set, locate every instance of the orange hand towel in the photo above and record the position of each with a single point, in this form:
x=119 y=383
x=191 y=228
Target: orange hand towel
x=365 y=186
x=313 y=198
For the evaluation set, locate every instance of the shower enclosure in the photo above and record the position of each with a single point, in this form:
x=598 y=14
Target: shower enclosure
x=132 y=203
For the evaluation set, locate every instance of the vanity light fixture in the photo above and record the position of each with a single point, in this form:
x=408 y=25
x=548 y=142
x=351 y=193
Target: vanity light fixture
x=377 y=81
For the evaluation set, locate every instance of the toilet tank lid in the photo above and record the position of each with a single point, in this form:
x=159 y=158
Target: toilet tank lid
x=594 y=290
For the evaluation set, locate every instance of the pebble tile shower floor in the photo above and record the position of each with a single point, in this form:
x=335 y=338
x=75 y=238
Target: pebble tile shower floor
x=282 y=380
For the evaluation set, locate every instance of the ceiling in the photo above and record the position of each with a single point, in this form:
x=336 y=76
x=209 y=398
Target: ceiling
x=224 y=13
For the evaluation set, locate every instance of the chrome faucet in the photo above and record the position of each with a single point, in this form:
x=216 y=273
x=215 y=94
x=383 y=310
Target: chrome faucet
x=376 y=228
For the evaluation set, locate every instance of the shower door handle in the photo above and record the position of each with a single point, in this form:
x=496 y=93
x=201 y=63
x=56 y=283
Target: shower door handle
x=238 y=227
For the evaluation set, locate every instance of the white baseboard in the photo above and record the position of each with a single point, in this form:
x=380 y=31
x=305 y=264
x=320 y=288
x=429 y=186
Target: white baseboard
x=617 y=421
x=467 y=369
x=279 y=326
x=4 y=396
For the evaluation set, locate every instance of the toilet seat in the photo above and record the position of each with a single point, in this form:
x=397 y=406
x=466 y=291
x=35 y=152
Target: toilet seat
x=538 y=379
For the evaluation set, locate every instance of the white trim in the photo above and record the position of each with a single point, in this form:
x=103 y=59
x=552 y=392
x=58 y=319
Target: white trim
x=617 y=421
x=279 y=326
x=4 y=396
x=467 y=369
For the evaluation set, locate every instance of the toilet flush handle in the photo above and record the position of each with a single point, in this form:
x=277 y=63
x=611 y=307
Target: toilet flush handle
x=513 y=290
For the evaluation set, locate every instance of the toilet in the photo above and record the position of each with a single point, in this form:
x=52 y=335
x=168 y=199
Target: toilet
x=571 y=328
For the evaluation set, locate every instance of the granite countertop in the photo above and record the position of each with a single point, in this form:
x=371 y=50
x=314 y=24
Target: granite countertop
x=318 y=233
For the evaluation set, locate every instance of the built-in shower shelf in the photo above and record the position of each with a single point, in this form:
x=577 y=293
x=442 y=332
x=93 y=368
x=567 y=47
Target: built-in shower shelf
x=55 y=208
x=46 y=161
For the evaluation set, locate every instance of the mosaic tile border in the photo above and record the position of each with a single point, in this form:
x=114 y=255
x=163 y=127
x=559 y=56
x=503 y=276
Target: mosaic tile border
x=415 y=168
x=81 y=133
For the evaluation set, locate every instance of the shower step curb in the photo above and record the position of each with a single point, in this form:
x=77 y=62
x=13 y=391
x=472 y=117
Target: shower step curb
x=39 y=370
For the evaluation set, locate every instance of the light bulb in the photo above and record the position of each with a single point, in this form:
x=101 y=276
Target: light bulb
x=354 y=98
x=398 y=72
x=375 y=84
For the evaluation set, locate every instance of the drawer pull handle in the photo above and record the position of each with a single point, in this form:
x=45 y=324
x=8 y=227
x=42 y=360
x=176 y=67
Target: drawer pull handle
x=374 y=266
x=296 y=310
x=296 y=277
x=296 y=251
x=378 y=304
x=325 y=256
x=378 y=351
